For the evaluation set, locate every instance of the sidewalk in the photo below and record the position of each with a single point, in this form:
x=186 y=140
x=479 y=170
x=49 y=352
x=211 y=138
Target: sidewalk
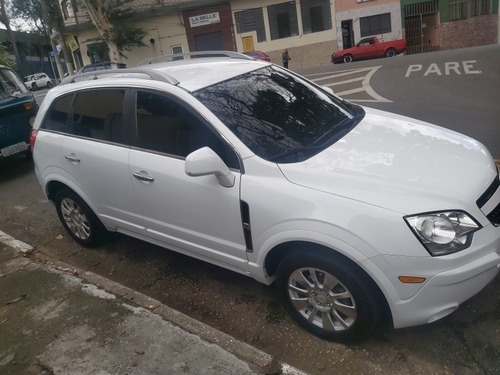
x=55 y=319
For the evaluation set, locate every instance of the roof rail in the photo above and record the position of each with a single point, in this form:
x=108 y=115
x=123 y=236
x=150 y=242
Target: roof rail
x=191 y=55
x=121 y=73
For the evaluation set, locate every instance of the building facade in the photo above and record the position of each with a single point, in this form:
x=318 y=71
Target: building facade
x=305 y=28
x=449 y=24
x=310 y=29
x=356 y=19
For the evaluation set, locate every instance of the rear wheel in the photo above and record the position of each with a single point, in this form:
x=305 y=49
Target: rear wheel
x=328 y=295
x=78 y=219
x=391 y=52
x=347 y=59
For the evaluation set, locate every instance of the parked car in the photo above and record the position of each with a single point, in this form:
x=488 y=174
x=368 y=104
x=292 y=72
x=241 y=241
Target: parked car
x=369 y=48
x=259 y=55
x=353 y=212
x=38 y=81
x=102 y=66
x=17 y=114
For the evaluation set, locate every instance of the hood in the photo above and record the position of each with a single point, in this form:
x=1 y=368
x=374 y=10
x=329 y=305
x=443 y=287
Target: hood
x=400 y=164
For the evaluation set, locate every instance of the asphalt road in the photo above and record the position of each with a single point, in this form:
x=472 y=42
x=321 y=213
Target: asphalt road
x=458 y=89
x=467 y=342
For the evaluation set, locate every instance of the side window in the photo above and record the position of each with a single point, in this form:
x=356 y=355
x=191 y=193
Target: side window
x=99 y=114
x=164 y=125
x=58 y=114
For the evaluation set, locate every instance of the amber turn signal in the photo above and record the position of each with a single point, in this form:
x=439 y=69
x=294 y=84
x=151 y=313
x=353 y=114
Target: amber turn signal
x=411 y=279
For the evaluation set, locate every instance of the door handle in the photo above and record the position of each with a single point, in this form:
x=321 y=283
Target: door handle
x=143 y=176
x=72 y=158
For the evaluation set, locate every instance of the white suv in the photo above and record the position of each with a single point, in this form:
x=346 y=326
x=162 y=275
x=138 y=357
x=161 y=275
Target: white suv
x=37 y=81
x=353 y=212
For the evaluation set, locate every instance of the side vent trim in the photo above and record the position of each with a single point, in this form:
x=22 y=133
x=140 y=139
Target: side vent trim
x=247 y=230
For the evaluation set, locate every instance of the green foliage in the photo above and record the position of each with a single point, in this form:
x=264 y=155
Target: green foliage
x=5 y=59
x=31 y=11
x=127 y=36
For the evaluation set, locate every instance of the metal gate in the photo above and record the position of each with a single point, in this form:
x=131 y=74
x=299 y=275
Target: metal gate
x=421 y=30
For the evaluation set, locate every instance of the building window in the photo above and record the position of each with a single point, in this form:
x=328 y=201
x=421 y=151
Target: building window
x=316 y=15
x=463 y=9
x=378 y=24
x=67 y=9
x=283 y=20
x=251 y=20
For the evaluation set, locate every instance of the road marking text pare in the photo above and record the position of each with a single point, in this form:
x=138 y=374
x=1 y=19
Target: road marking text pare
x=449 y=68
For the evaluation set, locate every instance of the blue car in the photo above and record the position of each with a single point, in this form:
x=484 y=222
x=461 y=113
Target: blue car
x=18 y=109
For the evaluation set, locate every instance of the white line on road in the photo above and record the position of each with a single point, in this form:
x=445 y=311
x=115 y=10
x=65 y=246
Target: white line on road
x=365 y=84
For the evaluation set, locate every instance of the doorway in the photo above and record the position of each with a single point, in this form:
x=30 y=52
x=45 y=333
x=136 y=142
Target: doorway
x=209 y=42
x=347 y=34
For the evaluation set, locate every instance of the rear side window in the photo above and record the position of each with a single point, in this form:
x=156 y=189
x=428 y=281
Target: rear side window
x=58 y=115
x=96 y=114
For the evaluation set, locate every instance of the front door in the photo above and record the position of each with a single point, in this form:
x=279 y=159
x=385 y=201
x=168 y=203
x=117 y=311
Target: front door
x=193 y=215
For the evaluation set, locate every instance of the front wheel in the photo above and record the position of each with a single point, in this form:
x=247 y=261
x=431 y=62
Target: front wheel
x=328 y=296
x=49 y=84
x=78 y=219
x=391 y=52
x=347 y=59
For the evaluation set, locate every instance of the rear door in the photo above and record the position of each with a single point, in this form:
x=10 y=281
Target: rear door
x=95 y=156
x=193 y=215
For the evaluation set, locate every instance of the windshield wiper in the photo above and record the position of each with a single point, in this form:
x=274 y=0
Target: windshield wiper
x=339 y=131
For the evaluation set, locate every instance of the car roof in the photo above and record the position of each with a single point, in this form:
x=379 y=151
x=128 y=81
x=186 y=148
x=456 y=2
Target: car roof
x=198 y=73
x=190 y=74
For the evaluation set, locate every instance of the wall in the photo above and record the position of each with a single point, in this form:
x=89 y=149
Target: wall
x=311 y=55
x=475 y=31
x=166 y=30
x=306 y=50
x=356 y=13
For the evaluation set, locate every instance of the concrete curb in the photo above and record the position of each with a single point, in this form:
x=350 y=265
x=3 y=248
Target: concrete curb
x=251 y=355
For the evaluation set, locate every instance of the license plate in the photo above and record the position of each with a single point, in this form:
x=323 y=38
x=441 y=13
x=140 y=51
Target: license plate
x=14 y=149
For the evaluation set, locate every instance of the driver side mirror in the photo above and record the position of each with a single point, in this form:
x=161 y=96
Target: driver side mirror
x=205 y=162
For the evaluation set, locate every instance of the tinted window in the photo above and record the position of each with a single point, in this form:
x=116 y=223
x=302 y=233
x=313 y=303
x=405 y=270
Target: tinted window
x=164 y=125
x=95 y=114
x=98 y=114
x=58 y=114
x=277 y=115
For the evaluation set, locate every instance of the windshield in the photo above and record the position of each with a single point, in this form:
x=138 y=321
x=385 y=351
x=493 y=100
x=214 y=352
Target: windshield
x=279 y=116
x=10 y=84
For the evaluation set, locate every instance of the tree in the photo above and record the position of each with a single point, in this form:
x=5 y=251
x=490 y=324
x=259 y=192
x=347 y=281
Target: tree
x=110 y=19
x=31 y=12
x=5 y=19
x=5 y=59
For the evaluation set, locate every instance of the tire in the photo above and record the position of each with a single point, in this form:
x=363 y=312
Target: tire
x=347 y=59
x=49 y=85
x=328 y=295
x=33 y=86
x=391 y=52
x=78 y=219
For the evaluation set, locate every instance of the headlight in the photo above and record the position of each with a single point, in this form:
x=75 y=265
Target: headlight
x=444 y=232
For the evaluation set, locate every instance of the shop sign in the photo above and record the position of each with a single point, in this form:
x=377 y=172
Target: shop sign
x=204 y=19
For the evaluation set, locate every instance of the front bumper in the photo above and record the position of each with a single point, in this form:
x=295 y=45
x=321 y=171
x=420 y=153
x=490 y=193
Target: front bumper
x=450 y=280
x=443 y=294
